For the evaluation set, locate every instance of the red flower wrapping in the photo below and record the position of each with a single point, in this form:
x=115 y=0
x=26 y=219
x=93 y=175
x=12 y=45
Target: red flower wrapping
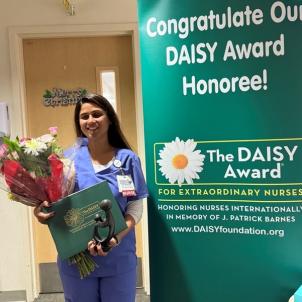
x=21 y=182
x=53 y=184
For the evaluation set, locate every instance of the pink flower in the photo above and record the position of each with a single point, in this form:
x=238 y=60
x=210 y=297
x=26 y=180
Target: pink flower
x=3 y=150
x=23 y=140
x=53 y=130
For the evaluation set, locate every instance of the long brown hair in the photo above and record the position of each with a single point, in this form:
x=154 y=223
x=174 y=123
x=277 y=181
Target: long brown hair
x=116 y=138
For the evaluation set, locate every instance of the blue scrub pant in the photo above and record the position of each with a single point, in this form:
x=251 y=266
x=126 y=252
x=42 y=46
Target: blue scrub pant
x=119 y=288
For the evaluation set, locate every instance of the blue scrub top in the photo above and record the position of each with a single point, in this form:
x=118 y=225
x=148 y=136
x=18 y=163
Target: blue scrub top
x=121 y=258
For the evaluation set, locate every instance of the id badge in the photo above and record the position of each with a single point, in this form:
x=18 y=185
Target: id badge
x=126 y=185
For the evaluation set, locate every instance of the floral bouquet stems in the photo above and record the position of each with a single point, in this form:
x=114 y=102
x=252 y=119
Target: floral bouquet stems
x=84 y=262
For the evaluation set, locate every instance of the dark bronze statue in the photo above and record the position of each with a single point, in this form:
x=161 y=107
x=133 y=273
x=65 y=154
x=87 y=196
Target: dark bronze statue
x=108 y=222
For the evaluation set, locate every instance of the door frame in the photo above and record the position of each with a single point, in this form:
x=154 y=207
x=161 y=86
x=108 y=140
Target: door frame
x=16 y=36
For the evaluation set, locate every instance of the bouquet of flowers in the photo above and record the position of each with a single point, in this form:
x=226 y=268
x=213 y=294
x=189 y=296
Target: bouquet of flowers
x=34 y=170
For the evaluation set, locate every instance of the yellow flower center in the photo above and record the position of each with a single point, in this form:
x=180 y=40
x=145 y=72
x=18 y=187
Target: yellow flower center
x=180 y=161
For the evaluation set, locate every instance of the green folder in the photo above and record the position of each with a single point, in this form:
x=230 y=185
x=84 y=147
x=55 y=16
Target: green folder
x=73 y=224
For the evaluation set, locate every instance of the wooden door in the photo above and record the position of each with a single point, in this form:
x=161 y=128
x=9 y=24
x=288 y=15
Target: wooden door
x=69 y=64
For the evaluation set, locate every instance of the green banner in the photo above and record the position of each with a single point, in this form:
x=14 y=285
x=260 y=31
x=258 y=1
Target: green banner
x=222 y=101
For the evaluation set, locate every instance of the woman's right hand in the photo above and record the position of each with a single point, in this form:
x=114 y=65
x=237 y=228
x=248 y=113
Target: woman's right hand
x=40 y=215
x=95 y=249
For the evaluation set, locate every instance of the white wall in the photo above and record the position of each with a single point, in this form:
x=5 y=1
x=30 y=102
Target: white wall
x=14 y=260
x=13 y=256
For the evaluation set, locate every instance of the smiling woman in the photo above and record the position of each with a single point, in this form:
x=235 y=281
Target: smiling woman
x=105 y=155
x=93 y=121
x=115 y=136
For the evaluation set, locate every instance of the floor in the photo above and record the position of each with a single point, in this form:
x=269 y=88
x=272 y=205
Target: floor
x=140 y=297
x=13 y=296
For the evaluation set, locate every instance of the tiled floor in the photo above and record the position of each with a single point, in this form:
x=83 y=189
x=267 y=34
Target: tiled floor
x=140 y=297
x=13 y=296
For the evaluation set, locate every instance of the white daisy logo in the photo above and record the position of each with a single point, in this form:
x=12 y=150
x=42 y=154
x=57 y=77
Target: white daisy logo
x=180 y=162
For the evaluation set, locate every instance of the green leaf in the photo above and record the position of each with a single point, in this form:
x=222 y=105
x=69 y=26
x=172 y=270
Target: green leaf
x=13 y=145
x=47 y=94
